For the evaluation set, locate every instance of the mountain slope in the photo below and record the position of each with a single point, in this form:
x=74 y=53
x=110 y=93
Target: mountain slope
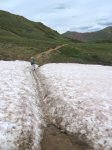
x=19 y=26
x=104 y=35
x=21 y=38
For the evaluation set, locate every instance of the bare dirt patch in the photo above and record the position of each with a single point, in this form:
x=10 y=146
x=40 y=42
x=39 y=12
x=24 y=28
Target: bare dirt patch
x=55 y=139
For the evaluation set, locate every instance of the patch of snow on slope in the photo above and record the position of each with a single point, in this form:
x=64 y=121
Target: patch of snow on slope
x=20 y=115
x=78 y=98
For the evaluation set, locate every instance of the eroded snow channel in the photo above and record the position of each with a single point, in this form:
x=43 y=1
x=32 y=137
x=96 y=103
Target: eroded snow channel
x=20 y=114
x=78 y=99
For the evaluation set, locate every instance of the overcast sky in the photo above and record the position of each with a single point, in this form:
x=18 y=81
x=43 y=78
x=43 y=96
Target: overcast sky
x=64 y=15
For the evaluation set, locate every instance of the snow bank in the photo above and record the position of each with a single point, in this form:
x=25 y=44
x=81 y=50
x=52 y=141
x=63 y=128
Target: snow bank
x=20 y=115
x=78 y=99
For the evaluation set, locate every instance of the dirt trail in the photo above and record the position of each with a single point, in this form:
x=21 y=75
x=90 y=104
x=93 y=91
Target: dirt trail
x=48 y=52
x=53 y=137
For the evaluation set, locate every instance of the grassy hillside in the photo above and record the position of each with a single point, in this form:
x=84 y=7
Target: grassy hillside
x=21 y=38
x=82 y=53
x=20 y=27
x=104 y=35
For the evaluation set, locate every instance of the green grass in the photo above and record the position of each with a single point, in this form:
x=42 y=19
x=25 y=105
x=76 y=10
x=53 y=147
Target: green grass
x=84 y=53
x=21 y=38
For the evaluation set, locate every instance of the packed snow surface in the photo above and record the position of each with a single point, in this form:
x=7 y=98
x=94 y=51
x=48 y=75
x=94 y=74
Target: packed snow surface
x=20 y=114
x=78 y=99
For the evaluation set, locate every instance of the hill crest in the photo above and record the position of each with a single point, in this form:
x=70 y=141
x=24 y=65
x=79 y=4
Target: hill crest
x=101 y=35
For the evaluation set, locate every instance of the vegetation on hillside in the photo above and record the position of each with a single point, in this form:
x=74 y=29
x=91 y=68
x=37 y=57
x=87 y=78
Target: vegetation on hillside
x=21 y=38
x=83 y=53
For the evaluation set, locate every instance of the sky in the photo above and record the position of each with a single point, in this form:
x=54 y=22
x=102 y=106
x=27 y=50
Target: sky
x=64 y=15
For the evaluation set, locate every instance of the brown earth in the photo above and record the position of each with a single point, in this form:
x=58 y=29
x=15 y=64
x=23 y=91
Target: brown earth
x=44 y=56
x=55 y=139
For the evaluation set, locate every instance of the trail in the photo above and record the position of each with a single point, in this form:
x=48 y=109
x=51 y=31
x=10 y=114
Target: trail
x=49 y=51
x=51 y=132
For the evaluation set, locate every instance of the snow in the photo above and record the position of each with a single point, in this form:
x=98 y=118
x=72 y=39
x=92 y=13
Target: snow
x=78 y=99
x=20 y=113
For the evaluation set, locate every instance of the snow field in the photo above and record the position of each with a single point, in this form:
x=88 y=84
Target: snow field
x=20 y=114
x=78 y=99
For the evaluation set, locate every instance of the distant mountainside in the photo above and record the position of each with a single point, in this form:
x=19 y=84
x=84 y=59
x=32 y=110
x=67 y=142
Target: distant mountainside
x=104 y=35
